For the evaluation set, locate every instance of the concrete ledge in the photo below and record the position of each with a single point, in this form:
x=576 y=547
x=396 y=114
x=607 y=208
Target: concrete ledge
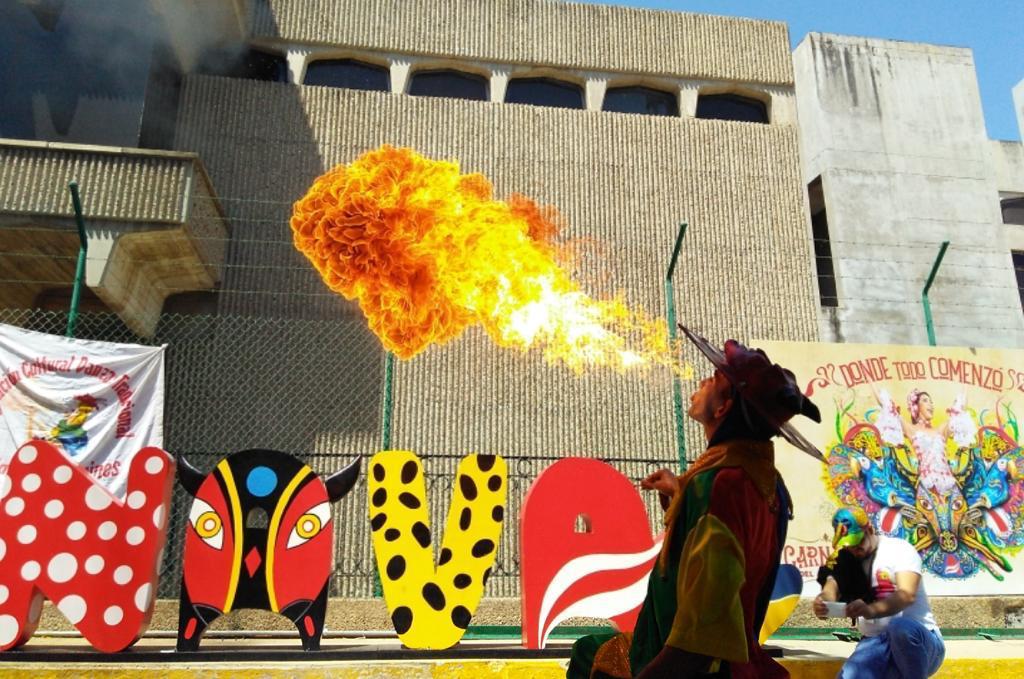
x=371 y=614
x=153 y=221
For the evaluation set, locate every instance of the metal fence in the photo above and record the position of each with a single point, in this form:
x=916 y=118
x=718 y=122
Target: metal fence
x=306 y=387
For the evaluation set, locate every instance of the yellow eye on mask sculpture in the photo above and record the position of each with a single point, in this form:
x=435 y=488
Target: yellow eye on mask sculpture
x=207 y=524
x=309 y=525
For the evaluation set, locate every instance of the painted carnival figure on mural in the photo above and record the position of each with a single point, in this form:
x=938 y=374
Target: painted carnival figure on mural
x=953 y=489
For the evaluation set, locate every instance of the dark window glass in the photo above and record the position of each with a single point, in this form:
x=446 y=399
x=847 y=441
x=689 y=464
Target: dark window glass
x=59 y=299
x=1013 y=211
x=160 y=108
x=642 y=100
x=1018 y=267
x=544 y=92
x=827 y=290
x=92 y=55
x=193 y=302
x=348 y=73
x=47 y=12
x=731 y=107
x=453 y=84
x=257 y=65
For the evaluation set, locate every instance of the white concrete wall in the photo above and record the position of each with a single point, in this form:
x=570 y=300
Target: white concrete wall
x=1007 y=158
x=1014 y=233
x=895 y=131
x=1018 y=105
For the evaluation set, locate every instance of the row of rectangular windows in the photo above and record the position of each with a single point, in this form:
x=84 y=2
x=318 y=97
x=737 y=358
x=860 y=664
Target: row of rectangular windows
x=354 y=74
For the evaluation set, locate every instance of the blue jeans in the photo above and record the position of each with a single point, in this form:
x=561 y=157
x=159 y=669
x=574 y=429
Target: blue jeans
x=905 y=650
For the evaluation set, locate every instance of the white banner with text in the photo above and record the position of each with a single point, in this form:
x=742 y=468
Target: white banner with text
x=98 y=402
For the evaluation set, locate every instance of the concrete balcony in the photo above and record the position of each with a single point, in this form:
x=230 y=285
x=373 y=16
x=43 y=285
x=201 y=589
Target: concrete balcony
x=154 y=224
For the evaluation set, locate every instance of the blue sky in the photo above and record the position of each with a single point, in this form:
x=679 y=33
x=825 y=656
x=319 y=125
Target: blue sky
x=994 y=29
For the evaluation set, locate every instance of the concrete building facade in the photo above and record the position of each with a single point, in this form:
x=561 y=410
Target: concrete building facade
x=676 y=118
x=624 y=180
x=895 y=153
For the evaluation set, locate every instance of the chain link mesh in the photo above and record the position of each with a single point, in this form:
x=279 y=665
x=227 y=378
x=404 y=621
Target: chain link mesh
x=231 y=386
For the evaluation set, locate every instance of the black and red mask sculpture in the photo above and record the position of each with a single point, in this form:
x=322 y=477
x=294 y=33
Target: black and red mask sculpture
x=259 y=535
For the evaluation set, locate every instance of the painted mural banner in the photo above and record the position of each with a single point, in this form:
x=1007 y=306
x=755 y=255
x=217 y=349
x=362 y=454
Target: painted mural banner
x=97 y=402
x=927 y=440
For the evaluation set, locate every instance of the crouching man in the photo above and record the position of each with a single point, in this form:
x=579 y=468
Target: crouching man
x=880 y=579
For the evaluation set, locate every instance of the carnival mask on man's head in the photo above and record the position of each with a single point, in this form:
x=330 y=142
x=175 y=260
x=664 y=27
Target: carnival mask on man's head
x=849 y=524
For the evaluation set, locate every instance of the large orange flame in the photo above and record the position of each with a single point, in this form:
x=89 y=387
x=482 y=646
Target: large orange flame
x=428 y=252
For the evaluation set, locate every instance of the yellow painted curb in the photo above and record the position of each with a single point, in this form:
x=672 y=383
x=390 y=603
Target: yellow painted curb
x=956 y=668
x=953 y=668
x=984 y=667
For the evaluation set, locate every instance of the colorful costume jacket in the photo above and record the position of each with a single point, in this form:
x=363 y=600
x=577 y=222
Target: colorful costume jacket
x=710 y=589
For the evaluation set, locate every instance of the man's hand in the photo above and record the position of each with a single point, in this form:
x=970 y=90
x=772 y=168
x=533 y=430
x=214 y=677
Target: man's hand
x=829 y=592
x=859 y=609
x=663 y=481
x=819 y=608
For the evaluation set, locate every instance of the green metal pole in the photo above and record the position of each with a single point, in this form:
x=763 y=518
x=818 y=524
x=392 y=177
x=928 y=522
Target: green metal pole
x=387 y=402
x=924 y=294
x=386 y=410
x=677 y=387
x=83 y=249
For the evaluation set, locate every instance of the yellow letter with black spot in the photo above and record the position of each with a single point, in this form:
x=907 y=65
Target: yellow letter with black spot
x=431 y=607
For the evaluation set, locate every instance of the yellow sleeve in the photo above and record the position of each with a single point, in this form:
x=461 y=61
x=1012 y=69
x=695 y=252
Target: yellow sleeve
x=709 y=616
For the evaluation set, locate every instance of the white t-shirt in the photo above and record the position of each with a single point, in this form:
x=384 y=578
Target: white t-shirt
x=894 y=556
